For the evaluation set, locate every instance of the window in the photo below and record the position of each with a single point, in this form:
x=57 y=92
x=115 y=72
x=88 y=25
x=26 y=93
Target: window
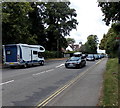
x=41 y=48
x=8 y=52
x=35 y=52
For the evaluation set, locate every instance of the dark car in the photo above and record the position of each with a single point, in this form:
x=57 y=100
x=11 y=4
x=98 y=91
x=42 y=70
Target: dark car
x=90 y=57
x=75 y=62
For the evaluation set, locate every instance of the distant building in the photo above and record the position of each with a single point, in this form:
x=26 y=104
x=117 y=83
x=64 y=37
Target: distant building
x=100 y=51
x=75 y=47
x=69 y=48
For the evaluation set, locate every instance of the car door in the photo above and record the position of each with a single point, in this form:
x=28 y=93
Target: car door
x=83 y=61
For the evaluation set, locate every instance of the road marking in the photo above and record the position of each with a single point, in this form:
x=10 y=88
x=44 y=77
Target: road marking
x=99 y=61
x=43 y=72
x=49 y=70
x=59 y=65
x=7 y=82
x=39 y=73
x=56 y=93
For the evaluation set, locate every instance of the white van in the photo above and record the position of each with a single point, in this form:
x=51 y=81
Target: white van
x=22 y=54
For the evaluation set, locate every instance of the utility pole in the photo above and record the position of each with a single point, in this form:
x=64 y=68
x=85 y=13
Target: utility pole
x=119 y=51
x=118 y=40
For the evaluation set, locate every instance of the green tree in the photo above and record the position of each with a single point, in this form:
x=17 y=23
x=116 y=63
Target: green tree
x=70 y=41
x=102 y=43
x=111 y=11
x=41 y=23
x=109 y=42
x=83 y=49
x=15 y=23
x=36 y=17
x=91 y=44
x=60 y=20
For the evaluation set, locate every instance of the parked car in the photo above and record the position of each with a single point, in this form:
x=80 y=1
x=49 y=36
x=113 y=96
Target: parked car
x=96 y=56
x=75 y=62
x=84 y=55
x=77 y=54
x=100 y=56
x=90 y=57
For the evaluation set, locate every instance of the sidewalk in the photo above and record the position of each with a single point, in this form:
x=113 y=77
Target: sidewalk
x=86 y=91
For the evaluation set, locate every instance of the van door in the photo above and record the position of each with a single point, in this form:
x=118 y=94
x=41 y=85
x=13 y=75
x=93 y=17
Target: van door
x=11 y=53
x=35 y=56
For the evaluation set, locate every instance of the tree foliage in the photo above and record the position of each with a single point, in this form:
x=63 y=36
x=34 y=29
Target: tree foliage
x=15 y=23
x=111 y=11
x=109 y=42
x=60 y=20
x=41 y=23
x=91 y=44
x=70 y=41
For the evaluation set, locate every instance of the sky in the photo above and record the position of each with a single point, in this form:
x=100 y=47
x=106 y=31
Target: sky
x=89 y=17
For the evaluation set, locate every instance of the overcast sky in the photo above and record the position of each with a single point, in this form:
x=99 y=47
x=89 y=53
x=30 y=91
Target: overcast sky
x=89 y=17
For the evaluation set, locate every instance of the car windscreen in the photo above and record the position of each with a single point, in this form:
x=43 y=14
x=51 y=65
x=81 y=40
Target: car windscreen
x=74 y=58
x=90 y=56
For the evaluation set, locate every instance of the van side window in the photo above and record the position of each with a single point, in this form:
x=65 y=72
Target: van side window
x=8 y=52
x=41 y=48
x=35 y=52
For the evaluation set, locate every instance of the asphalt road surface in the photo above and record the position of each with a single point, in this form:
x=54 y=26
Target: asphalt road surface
x=53 y=85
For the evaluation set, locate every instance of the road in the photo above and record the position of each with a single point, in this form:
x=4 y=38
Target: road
x=31 y=86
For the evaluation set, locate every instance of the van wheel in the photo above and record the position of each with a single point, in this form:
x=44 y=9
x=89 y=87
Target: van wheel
x=25 y=65
x=42 y=63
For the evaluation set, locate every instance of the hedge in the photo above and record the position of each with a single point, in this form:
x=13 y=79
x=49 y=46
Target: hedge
x=52 y=54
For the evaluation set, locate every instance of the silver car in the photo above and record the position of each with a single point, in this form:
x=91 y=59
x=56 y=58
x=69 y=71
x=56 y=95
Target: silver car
x=90 y=57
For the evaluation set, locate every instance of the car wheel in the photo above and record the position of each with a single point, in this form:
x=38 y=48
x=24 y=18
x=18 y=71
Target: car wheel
x=85 y=64
x=42 y=63
x=66 y=66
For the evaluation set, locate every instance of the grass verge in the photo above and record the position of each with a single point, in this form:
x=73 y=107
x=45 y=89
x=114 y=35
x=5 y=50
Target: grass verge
x=110 y=84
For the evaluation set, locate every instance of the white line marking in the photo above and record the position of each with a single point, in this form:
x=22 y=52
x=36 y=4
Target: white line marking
x=43 y=72
x=39 y=73
x=59 y=65
x=7 y=82
x=98 y=62
x=49 y=70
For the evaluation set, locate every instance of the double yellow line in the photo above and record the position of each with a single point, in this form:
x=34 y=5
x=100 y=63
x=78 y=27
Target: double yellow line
x=56 y=93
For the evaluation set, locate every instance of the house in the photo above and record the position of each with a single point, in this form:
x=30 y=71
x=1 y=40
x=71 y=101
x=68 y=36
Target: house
x=69 y=48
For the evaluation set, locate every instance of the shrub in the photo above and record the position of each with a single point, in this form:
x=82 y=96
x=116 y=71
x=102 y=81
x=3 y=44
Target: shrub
x=52 y=54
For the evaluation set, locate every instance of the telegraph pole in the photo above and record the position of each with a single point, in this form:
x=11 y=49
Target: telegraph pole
x=119 y=45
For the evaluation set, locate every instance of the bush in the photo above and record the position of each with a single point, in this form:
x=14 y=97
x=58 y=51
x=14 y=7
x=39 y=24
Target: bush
x=52 y=54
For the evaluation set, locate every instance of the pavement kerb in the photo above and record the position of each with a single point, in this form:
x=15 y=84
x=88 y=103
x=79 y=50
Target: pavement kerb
x=56 y=59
